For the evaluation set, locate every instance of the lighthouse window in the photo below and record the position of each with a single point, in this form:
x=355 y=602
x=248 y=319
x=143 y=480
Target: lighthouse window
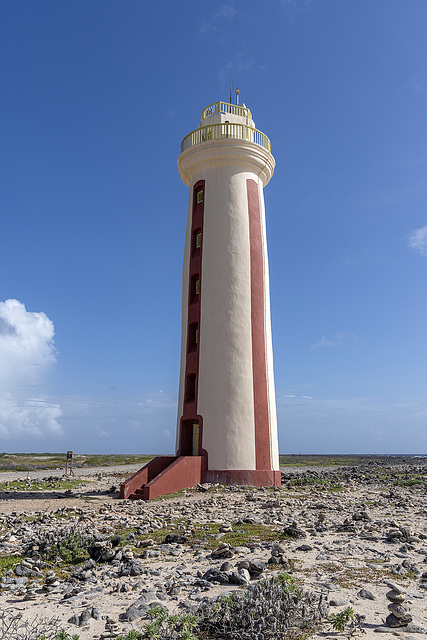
x=193 y=336
x=194 y=287
x=199 y=197
x=197 y=239
x=190 y=394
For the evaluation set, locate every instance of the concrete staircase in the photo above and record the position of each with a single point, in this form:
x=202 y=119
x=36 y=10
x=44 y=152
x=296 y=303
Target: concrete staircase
x=163 y=475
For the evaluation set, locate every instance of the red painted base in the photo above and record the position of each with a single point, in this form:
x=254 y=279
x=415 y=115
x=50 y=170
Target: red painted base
x=168 y=474
x=253 y=478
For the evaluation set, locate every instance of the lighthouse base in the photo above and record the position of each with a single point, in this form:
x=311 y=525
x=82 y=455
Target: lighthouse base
x=253 y=478
x=168 y=474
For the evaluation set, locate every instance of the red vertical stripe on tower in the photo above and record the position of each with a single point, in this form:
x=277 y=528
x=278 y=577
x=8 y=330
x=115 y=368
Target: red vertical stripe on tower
x=259 y=368
x=190 y=415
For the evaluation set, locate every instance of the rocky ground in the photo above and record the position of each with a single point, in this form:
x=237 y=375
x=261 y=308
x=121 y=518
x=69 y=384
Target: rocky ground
x=352 y=535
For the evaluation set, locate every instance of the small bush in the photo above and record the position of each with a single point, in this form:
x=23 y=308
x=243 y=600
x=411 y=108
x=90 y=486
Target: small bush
x=271 y=609
x=65 y=546
x=339 y=620
x=13 y=627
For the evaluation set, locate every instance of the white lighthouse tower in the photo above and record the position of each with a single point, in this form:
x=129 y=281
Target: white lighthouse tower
x=227 y=407
x=227 y=428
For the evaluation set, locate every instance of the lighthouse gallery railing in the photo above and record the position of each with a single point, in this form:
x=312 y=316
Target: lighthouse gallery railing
x=225 y=107
x=225 y=130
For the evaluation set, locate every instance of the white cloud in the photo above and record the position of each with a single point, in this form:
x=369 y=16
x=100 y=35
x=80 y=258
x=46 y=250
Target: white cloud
x=33 y=418
x=133 y=423
x=335 y=340
x=26 y=352
x=418 y=240
x=26 y=344
x=226 y=11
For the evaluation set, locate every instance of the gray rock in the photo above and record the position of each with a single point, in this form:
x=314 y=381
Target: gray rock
x=108 y=555
x=399 y=610
x=168 y=550
x=332 y=587
x=23 y=570
x=256 y=568
x=393 y=621
x=216 y=576
x=96 y=614
x=240 y=577
x=139 y=607
x=415 y=628
x=151 y=553
x=205 y=584
x=132 y=568
x=400 y=570
x=223 y=551
x=395 y=587
x=146 y=543
x=174 y=538
x=367 y=595
x=85 y=616
x=394 y=596
x=294 y=532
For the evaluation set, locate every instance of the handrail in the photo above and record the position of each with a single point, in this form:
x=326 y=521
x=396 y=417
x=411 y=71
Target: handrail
x=225 y=107
x=225 y=130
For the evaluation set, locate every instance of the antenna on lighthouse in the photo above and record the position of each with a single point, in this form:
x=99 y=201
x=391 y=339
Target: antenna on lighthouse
x=237 y=96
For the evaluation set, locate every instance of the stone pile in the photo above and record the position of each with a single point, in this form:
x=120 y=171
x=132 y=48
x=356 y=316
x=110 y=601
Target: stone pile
x=399 y=615
x=399 y=619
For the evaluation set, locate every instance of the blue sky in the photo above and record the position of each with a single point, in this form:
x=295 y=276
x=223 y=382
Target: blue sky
x=96 y=97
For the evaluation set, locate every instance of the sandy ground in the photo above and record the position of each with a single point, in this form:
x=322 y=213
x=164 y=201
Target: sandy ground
x=339 y=562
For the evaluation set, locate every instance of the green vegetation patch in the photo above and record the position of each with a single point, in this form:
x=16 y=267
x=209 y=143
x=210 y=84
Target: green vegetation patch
x=322 y=460
x=320 y=483
x=242 y=534
x=351 y=577
x=8 y=562
x=409 y=482
x=69 y=550
x=40 y=485
x=209 y=534
x=32 y=461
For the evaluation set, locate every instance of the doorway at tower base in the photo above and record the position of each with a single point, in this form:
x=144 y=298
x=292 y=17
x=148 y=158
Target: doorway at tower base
x=169 y=474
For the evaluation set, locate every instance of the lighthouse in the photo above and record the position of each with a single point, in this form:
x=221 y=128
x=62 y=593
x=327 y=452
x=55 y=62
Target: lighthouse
x=227 y=408
x=227 y=425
